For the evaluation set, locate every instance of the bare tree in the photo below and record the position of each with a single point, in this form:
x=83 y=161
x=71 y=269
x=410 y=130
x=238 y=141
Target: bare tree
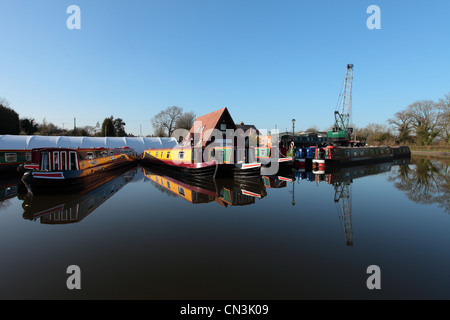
x=166 y=119
x=402 y=122
x=185 y=121
x=444 y=107
x=425 y=120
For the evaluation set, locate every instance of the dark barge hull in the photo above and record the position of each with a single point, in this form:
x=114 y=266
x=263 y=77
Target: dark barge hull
x=283 y=166
x=74 y=180
x=232 y=171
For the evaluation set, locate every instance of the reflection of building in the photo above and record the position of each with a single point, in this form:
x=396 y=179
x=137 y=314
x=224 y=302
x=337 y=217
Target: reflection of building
x=64 y=209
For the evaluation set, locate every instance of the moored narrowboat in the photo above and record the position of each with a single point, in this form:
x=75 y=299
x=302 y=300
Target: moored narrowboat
x=341 y=156
x=10 y=160
x=272 y=157
x=185 y=160
x=59 y=169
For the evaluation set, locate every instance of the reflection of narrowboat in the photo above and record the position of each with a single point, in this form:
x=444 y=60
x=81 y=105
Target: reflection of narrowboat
x=203 y=190
x=53 y=169
x=9 y=187
x=11 y=159
x=72 y=208
x=239 y=192
x=194 y=191
x=275 y=182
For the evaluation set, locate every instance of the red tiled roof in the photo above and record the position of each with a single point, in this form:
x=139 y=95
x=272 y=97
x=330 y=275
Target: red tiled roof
x=209 y=121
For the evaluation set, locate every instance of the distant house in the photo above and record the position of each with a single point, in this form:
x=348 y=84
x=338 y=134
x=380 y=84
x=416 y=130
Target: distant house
x=251 y=127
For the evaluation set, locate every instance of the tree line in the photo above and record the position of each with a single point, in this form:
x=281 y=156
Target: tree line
x=164 y=123
x=11 y=123
x=422 y=123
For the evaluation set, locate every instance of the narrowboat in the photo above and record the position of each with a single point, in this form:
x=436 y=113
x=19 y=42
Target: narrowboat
x=10 y=160
x=236 y=162
x=58 y=169
x=272 y=157
x=185 y=160
x=401 y=152
x=341 y=156
x=201 y=162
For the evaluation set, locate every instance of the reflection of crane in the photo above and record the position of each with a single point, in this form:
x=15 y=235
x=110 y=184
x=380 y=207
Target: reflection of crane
x=343 y=194
x=341 y=132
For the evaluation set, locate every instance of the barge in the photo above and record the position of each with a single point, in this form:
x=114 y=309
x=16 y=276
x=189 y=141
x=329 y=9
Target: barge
x=202 y=162
x=273 y=158
x=67 y=169
x=11 y=160
x=343 y=156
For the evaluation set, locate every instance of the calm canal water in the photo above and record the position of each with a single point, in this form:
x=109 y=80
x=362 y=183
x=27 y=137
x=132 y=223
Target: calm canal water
x=148 y=235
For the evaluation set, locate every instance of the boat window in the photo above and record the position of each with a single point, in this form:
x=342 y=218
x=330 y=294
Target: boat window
x=44 y=160
x=157 y=154
x=11 y=157
x=63 y=160
x=181 y=191
x=168 y=184
x=28 y=156
x=55 y=160
x=89 y=155
x=168 y=154
x=73 y=160
x=181 y=155
x=162 y=154
x=111 y=153
x=104 y=153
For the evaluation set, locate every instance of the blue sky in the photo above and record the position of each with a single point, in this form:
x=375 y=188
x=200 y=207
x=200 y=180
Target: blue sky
x=266 y=61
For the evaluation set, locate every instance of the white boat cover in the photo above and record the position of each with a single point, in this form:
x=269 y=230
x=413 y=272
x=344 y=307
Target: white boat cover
x=139 y=144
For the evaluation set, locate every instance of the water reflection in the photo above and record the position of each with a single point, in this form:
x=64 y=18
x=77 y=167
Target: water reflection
x=225 y=192
x=341 y=179
x=425 y=180
x=72 y=208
